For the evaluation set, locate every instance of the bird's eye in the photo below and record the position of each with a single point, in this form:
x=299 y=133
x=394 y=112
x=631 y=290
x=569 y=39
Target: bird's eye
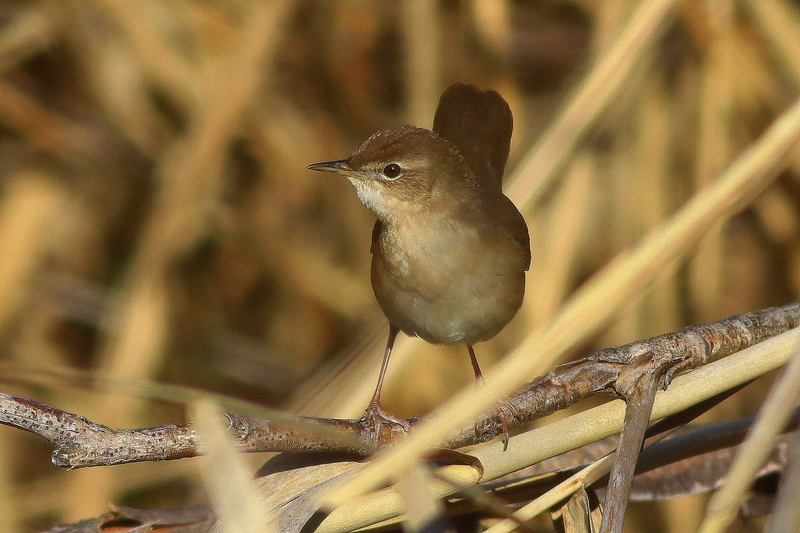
x=392 y=170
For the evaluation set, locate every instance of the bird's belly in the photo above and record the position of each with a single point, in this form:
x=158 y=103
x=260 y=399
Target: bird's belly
x=450 y=299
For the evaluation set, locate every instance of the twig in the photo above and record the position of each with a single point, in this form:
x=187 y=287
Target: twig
x=618 y=370
x=79 y=442
x=639 y=405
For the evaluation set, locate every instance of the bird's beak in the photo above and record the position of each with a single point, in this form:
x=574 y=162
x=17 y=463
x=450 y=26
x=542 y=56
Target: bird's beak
x=342 y=165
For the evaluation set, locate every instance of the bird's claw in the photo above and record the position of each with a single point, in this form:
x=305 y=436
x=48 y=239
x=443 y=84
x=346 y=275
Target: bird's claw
x=504 y=412
x=374 y=418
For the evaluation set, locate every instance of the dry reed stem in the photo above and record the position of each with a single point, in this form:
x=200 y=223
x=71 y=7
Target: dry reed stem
x=422 y=32
x=772 y=418
x=236 y=501
x=30 y=205
x=122 y=57
x=577 y=430
x=168 y=70
x=706 y=274
x=539 y=167
x=189 y=175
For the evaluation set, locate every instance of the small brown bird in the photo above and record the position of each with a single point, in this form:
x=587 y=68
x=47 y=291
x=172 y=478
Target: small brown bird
x=449 y=249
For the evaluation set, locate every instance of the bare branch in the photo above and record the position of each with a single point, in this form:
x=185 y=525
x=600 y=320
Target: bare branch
x=79 y=442
x=619 y=370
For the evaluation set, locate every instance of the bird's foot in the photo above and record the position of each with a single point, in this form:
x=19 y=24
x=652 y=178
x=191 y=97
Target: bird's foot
x=505 y=413
x=374 y=418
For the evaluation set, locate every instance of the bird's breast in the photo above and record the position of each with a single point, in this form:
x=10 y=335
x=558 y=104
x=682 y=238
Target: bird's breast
x=447 y=282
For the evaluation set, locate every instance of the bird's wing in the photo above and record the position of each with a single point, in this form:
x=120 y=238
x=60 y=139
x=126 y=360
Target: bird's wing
x=479 y=124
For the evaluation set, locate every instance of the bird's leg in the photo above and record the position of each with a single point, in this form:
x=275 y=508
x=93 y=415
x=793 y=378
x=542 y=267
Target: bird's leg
x=475 y=366
x=376 y=397
x=374 y=414
x=501 y=414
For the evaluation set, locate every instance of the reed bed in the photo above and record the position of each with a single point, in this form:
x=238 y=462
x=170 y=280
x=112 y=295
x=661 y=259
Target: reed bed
x=158 y=224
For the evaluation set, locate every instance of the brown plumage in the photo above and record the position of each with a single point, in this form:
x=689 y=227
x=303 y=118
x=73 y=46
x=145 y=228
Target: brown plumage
x=449 y=249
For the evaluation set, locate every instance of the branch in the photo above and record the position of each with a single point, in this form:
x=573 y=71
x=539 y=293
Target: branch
x=618 y=370
x=79 y=442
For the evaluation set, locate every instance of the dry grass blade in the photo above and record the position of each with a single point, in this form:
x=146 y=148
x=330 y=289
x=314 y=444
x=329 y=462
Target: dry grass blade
x=772 y=419
x=167 y=68
x=424 y=510
x=600 y=422
x=551 y=277
x=539 y=168
x=575 y=431
x=237 y=502
x=423 y=41
x=190 y=178
x=778 y=23
x=714 y=152
x=547 y=500
x=181 y=240
x=786 y=517
x=596 y=302
x=29 y=206
x=578 y=515
x=387 y=503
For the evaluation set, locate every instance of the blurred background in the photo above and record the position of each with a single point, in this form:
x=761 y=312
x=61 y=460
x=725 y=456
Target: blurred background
x=158 y=224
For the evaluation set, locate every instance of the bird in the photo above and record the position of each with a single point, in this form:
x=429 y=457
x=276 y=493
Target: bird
x=449 y=249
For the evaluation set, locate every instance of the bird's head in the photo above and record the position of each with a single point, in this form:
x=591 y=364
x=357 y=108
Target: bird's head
x=400 y=171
